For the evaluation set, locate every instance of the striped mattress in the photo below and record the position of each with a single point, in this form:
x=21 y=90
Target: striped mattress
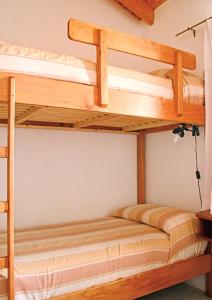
x=19 y=59
x=60 y=259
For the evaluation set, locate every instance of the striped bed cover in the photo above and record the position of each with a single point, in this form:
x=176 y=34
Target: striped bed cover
x=59 y=259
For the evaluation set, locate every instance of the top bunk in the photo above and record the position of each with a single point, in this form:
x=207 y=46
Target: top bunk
x=57 y=91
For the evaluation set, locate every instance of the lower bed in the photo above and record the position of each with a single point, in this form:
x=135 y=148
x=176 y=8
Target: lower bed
x=60 y=259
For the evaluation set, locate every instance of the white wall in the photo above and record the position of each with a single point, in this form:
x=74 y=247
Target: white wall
x=62 y=175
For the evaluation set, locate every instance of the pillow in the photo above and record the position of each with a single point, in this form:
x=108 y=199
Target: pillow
x=161 y=217
x=181 y=226
x=188 y=78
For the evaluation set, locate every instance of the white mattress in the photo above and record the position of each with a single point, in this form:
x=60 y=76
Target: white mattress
x=35 y=62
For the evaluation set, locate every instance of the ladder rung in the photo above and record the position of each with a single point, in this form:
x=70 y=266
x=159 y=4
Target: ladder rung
x=3 y=152
x=3 y=262
x=3 y=206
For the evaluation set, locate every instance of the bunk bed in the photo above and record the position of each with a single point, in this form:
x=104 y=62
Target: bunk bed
x=34 y=99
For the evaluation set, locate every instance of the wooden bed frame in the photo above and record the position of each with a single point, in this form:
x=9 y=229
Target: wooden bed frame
x=33 y=102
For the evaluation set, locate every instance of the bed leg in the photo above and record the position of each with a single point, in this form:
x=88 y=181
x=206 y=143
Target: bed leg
x=209 y=279
x=209 y=284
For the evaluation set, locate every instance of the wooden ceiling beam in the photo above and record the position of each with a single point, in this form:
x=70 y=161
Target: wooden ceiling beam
x=140 y=9
x=155 y=3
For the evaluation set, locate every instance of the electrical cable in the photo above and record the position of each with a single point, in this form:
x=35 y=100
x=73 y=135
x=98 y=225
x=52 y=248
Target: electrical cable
x=180 y=131
x=197 y=170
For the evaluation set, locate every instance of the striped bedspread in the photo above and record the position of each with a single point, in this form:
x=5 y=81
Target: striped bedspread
x=60 y=259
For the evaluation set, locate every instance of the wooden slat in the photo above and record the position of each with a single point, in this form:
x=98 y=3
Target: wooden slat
x=3 y=152
x=150 y=124
x=26 y=115
x=141 y=168
x=100 y=130
x=94 y=120
x=3 y=206
x=102 y=69
x=10 y=188
x=146 y=282
x=178 y=84
x=160 y=129
x=3 y=262
x=88 y=33
x=140 y=9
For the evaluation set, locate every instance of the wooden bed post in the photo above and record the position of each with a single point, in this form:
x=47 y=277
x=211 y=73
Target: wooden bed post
x=10 y=188
x=141 y=168
x=209 y=278
x=8 y=205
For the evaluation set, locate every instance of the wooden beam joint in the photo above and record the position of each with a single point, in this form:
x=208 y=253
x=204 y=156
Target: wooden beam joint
x=4 y=208
x=3 y=152
x=3 y=262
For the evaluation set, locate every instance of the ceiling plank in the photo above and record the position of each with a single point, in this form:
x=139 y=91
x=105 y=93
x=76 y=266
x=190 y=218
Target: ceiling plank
x=140 y=9
x=155 y=3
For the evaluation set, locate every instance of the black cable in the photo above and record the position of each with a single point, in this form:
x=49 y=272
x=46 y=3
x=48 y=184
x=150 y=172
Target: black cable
x=197 y=170
x=180 y=130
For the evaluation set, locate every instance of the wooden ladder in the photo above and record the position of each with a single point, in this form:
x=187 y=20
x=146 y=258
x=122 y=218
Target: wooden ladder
x=8 y=205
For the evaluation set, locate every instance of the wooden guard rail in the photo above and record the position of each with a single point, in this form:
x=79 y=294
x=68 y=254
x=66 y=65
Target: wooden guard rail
x=8 y=206
x=105 y=39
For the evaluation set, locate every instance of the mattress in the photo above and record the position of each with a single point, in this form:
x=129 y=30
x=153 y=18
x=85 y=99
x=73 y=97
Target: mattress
x=56 y=260
x=36 y=62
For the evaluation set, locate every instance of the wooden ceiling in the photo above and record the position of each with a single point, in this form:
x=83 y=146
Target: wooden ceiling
x=142 y=9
